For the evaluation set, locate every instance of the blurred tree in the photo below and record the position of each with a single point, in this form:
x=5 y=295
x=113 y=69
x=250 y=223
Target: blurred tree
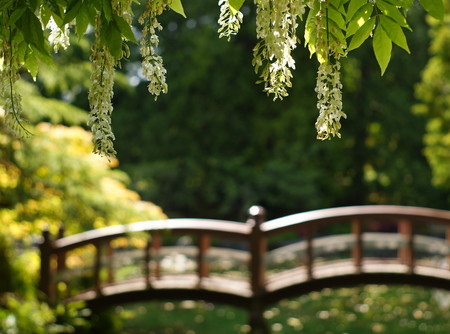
x=55 y=179
x=434 y=93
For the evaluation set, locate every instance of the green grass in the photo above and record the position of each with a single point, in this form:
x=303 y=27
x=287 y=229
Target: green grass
x=367 y=309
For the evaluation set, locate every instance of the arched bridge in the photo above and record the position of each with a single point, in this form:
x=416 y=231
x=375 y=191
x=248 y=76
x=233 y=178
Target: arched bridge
x=251 y=264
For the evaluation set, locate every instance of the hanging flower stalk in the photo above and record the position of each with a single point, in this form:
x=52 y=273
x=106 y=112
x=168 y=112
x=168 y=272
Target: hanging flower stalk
x=230 y=20
x=100 y=96
x=276 y=24
x=328 y=87
x=9 y=74
x=152 y=64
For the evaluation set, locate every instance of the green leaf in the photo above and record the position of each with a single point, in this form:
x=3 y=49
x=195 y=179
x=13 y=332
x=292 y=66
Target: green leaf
x=336 y=17
x=353 y=7
x=43 y=56
x=177 y=7
x=362 y=34
x=235 y=5
x=394 y=32
x=82 y=21
x=107 y=10
x=392 y=12
x=6 y=4
x=382 y=47
x=434 y=7
x=31 y=29
x=15 y=15
x=92 y=13
x=311 y=30
x=361 y=16
x=32 y=4
x=406 y=4
x=72 y=11
x=124 y=28
x=113 y=40
x=53 y=6
x=31 y=63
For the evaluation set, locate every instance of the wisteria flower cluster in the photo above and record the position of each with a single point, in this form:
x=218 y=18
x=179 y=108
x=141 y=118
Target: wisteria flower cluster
x=100 y=96
x=58 y=38
x=276 y=24
x=229 y=20
x=329 y=95
x=152 y=64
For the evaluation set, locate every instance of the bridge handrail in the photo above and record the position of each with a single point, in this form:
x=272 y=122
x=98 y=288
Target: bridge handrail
x=192 y=225
x=363 y=211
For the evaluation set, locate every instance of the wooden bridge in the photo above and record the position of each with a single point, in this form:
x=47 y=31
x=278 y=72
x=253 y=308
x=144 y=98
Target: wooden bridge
x=251 y=264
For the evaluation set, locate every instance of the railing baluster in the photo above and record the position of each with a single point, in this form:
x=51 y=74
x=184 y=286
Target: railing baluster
x=447 y=237
x=97 y=268
x=147 y=259
x=309 y=252
x=156 y=246
x=358 y=247
x=406 y=252
x=203 y=246
x=110 y=252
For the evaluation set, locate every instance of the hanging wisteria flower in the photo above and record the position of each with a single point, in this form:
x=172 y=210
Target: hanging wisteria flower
x=100 y=96
x=229 y=21
x=58 y=38
x=276 y=25
x=329 y=95
x=152 y=64
x=9 y=74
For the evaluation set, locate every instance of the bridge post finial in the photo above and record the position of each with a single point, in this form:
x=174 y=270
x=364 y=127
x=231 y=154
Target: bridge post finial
x=256 y=215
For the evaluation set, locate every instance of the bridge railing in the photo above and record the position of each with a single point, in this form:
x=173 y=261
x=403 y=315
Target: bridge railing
x=269 y=256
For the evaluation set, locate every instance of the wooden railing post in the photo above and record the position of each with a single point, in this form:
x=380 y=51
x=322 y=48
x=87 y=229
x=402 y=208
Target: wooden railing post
x=258 y=248
x=203 y=246
x=447 y=237
x=309 y=252
x=358 y=247
x=156 y=246
x=110 y=253
x=46 y=279
x=147 y=259
x=406 y=253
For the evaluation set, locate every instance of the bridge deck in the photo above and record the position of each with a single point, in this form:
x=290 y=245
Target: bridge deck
x=238 y=291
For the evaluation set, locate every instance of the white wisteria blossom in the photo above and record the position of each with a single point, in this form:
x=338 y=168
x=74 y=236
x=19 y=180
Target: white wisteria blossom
x=329 y=95
x=58 y=38
x=229 y=21
x=276 y=25
x=152 y=64
x=100 y=96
